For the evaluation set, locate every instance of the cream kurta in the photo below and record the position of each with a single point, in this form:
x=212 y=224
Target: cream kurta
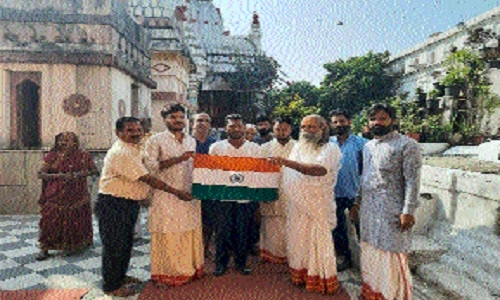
x=311 y=218
x=273 y=240
x=167 y=212
x=275 y=149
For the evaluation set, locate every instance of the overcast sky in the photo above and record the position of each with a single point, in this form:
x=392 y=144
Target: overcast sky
x=305 y=34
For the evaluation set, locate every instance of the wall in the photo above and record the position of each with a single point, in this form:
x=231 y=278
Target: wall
x=467 y=199
x=21 y=188
x=59 y=82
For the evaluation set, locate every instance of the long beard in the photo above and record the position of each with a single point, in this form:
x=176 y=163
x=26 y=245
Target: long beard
x=308 y=144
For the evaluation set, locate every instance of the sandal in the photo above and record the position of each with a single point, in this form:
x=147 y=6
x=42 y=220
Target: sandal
x=122 y=292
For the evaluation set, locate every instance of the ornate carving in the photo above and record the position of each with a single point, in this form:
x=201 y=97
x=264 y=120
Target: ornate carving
x=77 y=105
x=161 y=67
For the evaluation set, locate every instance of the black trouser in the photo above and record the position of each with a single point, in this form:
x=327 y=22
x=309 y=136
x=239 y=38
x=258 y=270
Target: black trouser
x=117 y=217
x=232 y=231
x=254 y=228
x=340 y=233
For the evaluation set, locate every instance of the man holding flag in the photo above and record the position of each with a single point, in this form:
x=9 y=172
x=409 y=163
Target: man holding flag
x=311 y=171
x=234 y=215
x=175 y=225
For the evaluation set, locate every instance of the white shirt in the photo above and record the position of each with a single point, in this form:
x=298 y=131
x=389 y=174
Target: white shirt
x=168 y=213
x=121 y=170
x=224 y=148
x=275 y=149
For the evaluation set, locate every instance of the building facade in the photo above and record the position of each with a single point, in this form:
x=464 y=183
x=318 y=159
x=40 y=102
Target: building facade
x=422 y=66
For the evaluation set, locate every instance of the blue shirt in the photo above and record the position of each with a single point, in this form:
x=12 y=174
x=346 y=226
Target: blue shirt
x=350 y=172
x=202 y=148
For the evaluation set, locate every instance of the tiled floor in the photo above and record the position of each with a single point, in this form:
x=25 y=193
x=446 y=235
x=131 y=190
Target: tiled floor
x=20 y=270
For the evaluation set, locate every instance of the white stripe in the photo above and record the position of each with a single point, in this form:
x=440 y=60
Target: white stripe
x=250 y=179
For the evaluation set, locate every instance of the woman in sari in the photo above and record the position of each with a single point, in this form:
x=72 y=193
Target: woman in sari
x=66 y=222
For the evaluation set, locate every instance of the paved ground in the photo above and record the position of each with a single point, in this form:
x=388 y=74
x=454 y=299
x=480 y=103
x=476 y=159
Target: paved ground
x=20 y=270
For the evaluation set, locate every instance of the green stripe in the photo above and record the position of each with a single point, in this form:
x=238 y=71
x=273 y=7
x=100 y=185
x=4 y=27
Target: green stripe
x=223 y=192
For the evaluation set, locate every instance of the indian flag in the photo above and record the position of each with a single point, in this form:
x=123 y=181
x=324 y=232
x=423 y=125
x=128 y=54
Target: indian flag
x=235 y=178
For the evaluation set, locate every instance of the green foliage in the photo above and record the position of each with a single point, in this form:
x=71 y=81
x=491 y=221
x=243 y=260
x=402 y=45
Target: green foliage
x=463 y=66
x=295 y=109
x=353 y=83
x=407 y=114
x=435 y=130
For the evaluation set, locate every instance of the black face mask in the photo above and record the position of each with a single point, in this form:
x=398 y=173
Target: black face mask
x=340 y=130
x=380 y=130
x=264 y=131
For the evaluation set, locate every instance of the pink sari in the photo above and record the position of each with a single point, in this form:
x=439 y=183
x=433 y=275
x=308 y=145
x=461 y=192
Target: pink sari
x=66 y=222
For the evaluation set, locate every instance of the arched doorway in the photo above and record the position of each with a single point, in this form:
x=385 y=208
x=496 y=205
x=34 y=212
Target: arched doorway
x=25 y=113
x=28 y=114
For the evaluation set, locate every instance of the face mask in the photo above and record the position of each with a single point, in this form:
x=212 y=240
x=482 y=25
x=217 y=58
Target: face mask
x=380 y=130
x=264 y=131
x=340 y=130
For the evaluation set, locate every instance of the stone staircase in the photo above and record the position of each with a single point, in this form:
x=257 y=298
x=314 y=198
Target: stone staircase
x=463 y=262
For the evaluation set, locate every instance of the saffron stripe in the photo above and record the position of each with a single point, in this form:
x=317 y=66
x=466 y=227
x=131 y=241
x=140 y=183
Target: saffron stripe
x=234 y=163
x=222 y=192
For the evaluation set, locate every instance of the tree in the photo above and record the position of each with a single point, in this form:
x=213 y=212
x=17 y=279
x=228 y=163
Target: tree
x=353 y=83
x=295 y=109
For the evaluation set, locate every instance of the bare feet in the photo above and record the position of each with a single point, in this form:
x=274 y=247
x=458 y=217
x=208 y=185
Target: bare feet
x=122 y=292
x=42 y=255
x=160 y=286
x=131 y=280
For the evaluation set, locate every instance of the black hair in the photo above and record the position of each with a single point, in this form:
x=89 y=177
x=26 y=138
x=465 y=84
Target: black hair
x=234 y=117
x=120 y=123
x=281 y=120
x=167 y=110
x=263 y=118
x=376 y=108
x=340 y=112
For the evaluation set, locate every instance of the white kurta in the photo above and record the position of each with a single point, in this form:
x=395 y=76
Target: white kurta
x=273 y=240
x=311 y=218
x=167 y=212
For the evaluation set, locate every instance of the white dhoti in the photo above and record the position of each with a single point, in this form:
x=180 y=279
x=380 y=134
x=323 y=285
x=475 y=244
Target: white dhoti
x=386 y=275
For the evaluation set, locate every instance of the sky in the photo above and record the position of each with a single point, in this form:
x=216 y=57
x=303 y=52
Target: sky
x=303 y=35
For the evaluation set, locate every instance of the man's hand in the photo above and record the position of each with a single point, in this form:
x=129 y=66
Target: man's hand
x=187 y=155
x=277 y=160
x=184 y=196
x=354 y=213
x=406 y=222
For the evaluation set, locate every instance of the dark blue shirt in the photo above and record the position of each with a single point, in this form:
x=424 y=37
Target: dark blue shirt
x=203 y=148
x=350 y=171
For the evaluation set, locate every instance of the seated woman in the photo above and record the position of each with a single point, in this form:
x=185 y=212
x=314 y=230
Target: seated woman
x=66 y=222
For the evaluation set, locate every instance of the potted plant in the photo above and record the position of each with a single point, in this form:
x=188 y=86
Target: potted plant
x=432 y=103
x=453 y=84
x=420 y=96
x=409 y=122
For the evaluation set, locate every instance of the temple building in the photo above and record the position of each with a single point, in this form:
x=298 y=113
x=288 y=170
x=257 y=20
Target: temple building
x=78 y=65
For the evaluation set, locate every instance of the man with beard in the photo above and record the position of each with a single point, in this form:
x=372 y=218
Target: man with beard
x=201 y=132
x=124 y=182
x=264 y=127
x=233 y=216
x=388 y=196
x=175 y=225
x=273 y=220
x=348 y=180
x=311 y=171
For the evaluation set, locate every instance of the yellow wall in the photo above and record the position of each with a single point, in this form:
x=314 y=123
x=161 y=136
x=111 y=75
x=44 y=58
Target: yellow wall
x=103 y=86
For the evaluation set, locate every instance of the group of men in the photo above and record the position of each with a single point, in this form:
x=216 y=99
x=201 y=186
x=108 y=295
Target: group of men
x=322 y=177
